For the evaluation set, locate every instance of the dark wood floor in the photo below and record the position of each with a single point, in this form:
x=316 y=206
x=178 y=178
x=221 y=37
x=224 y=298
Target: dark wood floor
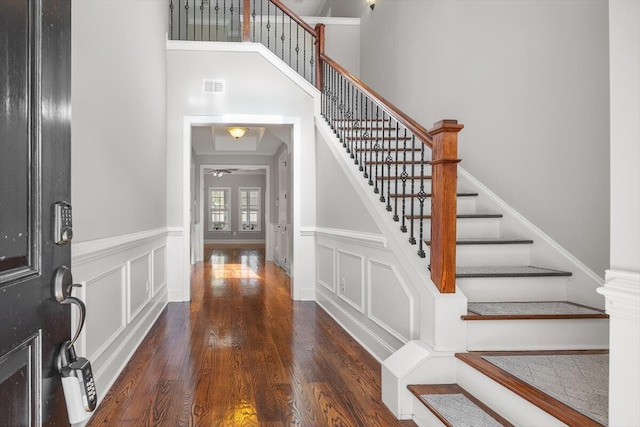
x=243 y=354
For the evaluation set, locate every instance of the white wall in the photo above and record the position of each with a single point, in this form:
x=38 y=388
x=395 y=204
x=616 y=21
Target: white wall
x=255 y=90
x=529 y=80
x=622 y=289
x=338 y=204
x=342 y=41
x=118 y=176
x=118 y=137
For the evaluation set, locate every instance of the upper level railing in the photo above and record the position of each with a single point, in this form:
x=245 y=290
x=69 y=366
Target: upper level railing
x=268 y=22
x=393 y=151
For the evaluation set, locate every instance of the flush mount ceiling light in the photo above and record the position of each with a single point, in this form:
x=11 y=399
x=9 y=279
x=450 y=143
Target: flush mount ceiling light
x=371 y=3
x=237 y=132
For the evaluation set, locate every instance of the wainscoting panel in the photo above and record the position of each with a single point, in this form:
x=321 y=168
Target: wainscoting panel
x=125 y=291
x=360 y=284
x=138 y=285
x=386 y=289
x=106 y=318
x=351 y=279
x=326 y=268
x=159 y=269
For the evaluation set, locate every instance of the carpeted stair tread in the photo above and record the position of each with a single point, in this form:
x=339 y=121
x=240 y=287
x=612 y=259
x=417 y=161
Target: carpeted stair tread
x=509 y=271
x=570 y=385
x=455 y=407
x=531 y=310
x=489 y=241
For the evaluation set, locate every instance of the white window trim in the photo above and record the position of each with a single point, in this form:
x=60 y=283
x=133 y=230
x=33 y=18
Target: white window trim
x=259 y=225
x=227 y=190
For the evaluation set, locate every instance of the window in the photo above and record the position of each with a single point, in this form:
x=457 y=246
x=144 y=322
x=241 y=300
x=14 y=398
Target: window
x=250 y=218
x=219 y=209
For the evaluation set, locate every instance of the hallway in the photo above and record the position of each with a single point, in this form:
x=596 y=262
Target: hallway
x=242 y=353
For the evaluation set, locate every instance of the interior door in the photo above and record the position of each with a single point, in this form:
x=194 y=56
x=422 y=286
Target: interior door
x=35 y=108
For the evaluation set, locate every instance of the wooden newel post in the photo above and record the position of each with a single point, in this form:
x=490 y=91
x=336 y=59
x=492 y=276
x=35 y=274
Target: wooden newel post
x=319 y=54
x=246 y=20
x=444 y=171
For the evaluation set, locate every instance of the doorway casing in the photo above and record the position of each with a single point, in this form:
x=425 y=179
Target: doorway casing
x=179 y=239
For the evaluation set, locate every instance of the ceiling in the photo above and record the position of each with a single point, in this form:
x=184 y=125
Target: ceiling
x=258 y=141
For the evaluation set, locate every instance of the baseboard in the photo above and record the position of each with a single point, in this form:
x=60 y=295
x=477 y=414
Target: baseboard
x=374 y=345
x=234 y=241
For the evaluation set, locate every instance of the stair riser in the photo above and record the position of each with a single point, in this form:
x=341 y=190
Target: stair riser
x=423 y=417
x=465 y=205
x=547 y=334
x=504 y=289
x=473 y=227
x=492 y=255
x=515 y=409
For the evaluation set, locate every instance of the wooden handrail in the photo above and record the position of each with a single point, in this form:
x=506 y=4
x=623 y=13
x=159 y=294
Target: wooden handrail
x=295 y=17
x=420 y=132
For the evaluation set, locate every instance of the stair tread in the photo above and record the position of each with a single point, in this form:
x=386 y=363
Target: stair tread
x=460 y=194
x=378 y=138
x=389 y=149
x=490 y=241
x=566 y=384
x=531 y=310
x=384 y=178
x=509 y=271
x=454 y=406
x=461 y=216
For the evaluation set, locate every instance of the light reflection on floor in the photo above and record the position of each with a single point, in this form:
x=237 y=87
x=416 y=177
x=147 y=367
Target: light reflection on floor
x=246 y=271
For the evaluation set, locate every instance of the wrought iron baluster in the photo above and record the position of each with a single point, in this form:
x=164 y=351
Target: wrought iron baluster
x=298 y=49
x=312 y=62
x=231 y=20
x=395 y=175
x=358 y=131
x=412 y=238
x=367 y=133
x=268 y=25
x=201 y=20
x=253 y=21
x=376 y=147
x=357 y=143
x=171 y=19
x=209 y=21
x=421 y=198
x=282 y=39
x=403 y=178
x=217 y=9
x=388 y=159
x=290 y=28
x=186 y=19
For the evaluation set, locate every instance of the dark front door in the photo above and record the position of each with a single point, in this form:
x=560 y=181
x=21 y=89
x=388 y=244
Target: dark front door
x=35 y=109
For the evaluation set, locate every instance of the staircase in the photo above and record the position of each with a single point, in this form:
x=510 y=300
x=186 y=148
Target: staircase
x=526 y=342
x=536 y=335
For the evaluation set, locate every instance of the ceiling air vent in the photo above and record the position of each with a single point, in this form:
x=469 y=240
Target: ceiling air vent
x=213 y=86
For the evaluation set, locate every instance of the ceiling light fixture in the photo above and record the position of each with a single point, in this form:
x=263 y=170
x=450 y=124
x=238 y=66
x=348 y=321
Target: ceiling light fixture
x=371 y=3
x=237 y=132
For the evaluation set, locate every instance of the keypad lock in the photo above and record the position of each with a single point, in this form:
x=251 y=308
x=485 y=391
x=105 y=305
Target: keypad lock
x=62 y=227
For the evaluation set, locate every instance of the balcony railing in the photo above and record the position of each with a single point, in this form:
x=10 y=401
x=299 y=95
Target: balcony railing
x=404 y=163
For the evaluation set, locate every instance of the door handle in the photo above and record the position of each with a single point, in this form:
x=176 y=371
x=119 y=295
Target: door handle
x=63 y=285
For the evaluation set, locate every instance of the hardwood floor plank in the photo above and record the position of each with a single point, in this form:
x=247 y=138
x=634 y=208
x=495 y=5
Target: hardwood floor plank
x=242 y=353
